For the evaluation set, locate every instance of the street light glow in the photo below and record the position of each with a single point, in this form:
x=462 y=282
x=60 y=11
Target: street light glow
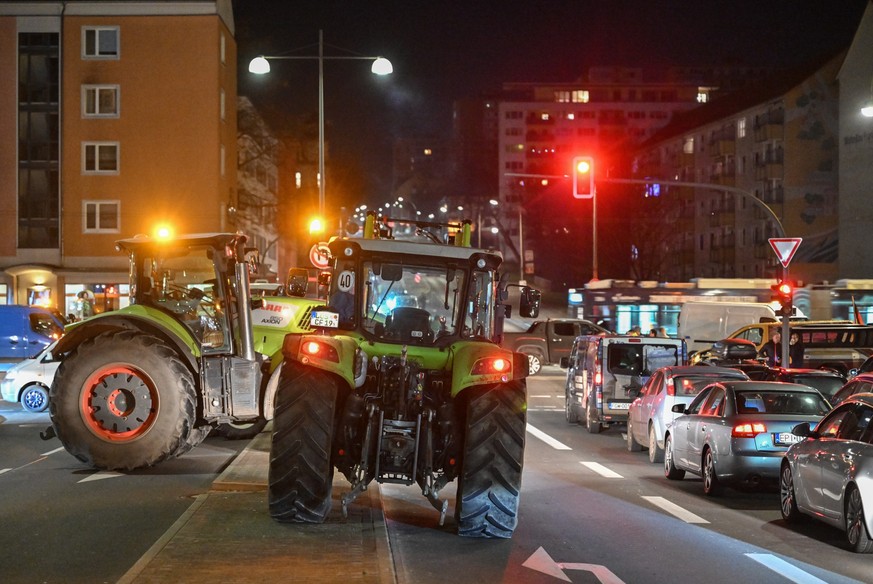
x=259 y=66
x=382 y=66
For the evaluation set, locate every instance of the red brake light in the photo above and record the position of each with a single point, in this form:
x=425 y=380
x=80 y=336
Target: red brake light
x=491 y=365
x=318 y=350
x=311 y=348
x=748 y=430
x=671 y=387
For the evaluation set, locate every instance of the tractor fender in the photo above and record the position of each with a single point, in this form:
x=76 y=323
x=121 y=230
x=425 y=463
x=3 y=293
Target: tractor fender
x=332 y=354
x=157 y=325
x=270 y=391
x=473 y=364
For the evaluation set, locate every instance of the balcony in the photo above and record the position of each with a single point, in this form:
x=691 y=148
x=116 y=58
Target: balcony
x=770 y=126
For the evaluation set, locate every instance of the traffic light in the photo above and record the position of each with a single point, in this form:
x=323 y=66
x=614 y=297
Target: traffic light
x=583 y=177
x=783 y=293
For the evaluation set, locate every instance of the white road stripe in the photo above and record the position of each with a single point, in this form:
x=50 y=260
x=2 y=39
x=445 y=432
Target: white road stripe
x=101 y=475
x=675 y=510
x=537 y=433
x=2 y=470
x=785 y=569
x=61 y=449
x=601 y=470
x=541 y=396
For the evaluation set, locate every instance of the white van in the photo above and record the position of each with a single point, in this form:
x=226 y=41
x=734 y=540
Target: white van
x=703 y=323
x=604 y=370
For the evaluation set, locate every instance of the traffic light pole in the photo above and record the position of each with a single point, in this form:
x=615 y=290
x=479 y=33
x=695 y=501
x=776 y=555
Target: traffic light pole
x=786 y=329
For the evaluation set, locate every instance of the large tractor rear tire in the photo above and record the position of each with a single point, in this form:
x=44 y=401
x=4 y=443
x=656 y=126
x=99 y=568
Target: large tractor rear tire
x=124 y=400
x=490 y=482
x=242 y=430
x=301 y=472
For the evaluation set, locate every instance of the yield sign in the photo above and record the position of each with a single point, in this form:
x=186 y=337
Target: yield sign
x=785 y=247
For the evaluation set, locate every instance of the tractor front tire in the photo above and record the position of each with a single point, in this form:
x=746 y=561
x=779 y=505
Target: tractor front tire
x=301 y=472
x=490 y=481
x=124 y=400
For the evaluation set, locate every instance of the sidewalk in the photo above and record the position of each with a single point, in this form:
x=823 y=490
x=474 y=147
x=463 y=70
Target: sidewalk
x=227 y=535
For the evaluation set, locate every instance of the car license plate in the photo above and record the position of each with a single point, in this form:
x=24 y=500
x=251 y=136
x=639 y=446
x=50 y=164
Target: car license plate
x=619 y=405
x=785 y=438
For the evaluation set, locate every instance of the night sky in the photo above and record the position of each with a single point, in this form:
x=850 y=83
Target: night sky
x=447 y=50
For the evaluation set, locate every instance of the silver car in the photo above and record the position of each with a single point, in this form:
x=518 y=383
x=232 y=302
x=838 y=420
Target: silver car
x=736 y=432
x=829 y=474
x=652 y=411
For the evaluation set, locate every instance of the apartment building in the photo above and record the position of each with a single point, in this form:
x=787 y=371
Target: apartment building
x=115 y=117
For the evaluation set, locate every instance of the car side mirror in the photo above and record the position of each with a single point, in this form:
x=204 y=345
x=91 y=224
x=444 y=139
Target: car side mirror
x=803 y=430
x=565 y=362
x=678 y=409
x=529 y=304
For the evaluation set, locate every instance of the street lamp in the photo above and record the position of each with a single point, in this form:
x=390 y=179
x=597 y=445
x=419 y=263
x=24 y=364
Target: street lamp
x=261 y=65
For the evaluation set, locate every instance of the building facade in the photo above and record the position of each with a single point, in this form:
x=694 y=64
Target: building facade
x=125 y=118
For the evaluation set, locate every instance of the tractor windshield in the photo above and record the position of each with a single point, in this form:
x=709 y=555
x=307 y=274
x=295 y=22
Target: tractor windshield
x=184 y=282
x=411 y=303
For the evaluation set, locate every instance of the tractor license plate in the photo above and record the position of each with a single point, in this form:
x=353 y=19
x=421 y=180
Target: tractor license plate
x=785 y=439
x=324 y=319
x=619 y=405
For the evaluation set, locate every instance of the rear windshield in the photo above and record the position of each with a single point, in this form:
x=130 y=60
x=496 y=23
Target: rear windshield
x=781 y=402
x=690 y=385
x=641 y=358
x=828 y=386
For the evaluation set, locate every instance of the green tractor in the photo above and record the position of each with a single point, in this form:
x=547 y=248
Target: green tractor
x=403 y=381
x=192 y=352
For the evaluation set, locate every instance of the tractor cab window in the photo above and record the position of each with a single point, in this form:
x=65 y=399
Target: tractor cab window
x=184 y=282
x=479 y=321
x=411 y=304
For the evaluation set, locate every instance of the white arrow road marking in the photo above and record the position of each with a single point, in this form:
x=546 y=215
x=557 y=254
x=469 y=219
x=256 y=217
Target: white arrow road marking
x=61 y=449
x=675 y=510
x=101 y=475
x=601 y=470
x=537 y=433
x=542 y=562
x=785 y=569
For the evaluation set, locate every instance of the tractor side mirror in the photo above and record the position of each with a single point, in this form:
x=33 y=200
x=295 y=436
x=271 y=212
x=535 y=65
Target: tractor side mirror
x=298 y=281
x=529 y=305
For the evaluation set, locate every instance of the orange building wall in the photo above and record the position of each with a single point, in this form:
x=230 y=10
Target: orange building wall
x=169 y=128
x=8 y=128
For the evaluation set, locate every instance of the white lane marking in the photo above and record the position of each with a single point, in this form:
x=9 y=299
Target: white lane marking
x=61 y=449
x=542 y=396
x=785 y=569
x=2 y=470
x=675 y=510
x=601 y=470
x=537 y=433
x=101 y=475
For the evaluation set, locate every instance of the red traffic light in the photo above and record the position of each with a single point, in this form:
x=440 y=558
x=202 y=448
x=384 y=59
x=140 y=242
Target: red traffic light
x=783 y=293
x=583 y=177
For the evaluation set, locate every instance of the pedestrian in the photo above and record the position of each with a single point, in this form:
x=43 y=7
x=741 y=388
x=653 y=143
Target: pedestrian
x=795 y=351
x=662 y=332
x=772 y=350
x=635 y=331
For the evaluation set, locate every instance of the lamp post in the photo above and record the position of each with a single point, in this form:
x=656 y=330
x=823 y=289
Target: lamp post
x=261 y=65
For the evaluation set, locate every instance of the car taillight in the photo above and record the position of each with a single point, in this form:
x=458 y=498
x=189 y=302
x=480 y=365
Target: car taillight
x=671 y=387
x=748 y=430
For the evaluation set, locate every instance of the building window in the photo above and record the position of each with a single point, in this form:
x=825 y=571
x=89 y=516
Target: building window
x=100 y=42
x=100 y=101
x=222 y=48
x=100 y=158
x=222 y=100
x=741 y=128
x=562 y=96
x=101 y=216
x=688 y=145
x=579 y=96
x=221 y=163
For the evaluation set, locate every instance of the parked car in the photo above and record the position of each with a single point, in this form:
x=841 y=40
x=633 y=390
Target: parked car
x=652 y=411
x=829 y=474
x=826 y=381
x=29 y=381
x=25 y=331
x=603 y=370
x=736 y=432
x=861 y=383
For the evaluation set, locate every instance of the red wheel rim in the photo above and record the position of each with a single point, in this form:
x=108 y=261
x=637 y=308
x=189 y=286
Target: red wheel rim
x=119 y=403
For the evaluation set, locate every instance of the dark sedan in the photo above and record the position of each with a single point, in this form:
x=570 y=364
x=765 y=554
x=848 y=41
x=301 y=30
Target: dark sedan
x=737 y=432
x=826 y=381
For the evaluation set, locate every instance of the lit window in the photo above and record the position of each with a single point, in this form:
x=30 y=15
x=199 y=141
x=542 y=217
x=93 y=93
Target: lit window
x=562 y=96
x=298 y=179
x=428 y=151
x=688 y=145
x=101 y=216
x=580 y=96
x=222 y=48
x=100 y=157
x=741 y=128
x=221 y=162
x=702 y=97
x=100 y=101
x=544 y=116
x=100 y=42
x=221 y=103
x=571 y=116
